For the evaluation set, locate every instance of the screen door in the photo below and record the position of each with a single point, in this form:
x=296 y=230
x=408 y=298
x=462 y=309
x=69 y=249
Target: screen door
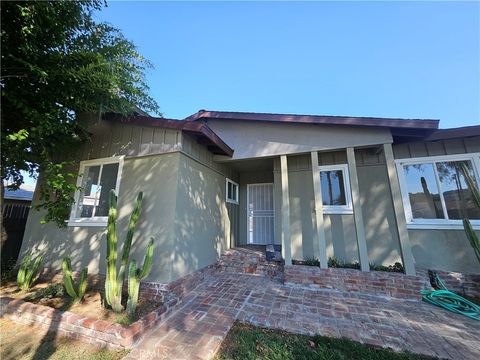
x=260 y=212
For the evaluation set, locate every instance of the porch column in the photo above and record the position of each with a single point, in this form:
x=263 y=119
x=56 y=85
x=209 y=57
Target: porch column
x=286 y=239
x=319 y=227
x=405 y=247
x=357 y=211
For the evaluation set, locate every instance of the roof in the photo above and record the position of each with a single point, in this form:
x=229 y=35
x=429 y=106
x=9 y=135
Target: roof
x=25 y=193
x=200 y=131
x=454 y=133
x=427 y=124
x=196 y=125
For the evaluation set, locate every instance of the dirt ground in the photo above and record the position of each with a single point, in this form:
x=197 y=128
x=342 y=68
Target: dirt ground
x=22 y=342
x=90 y=306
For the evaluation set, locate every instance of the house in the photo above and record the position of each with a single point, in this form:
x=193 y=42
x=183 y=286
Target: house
x=365 y=189
x=15 y=208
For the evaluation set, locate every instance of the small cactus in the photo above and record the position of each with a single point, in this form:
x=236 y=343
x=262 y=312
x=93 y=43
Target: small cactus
x=28 y=271
x=135 y=276
x=472 y=237
x=69 y=284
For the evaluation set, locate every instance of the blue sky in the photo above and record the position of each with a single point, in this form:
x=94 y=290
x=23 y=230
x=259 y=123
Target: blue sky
x=387 y=59
x=398 y=59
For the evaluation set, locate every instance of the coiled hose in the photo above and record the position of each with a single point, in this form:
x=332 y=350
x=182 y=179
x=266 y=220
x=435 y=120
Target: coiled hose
x=450 y=301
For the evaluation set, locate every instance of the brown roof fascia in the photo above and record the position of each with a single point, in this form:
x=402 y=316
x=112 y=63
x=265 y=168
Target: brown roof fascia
x=199 y=130
x=317 y=119
x=454 y=133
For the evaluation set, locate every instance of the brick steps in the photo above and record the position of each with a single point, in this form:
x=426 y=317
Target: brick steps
x=249 y=261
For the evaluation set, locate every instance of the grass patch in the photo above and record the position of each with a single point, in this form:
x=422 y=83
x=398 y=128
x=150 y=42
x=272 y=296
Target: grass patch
x=26 y=342
x=247 y=342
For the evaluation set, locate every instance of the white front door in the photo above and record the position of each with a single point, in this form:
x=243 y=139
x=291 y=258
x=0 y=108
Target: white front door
x=260 y=214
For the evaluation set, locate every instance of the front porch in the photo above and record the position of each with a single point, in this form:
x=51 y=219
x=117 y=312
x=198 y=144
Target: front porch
x=282 y=200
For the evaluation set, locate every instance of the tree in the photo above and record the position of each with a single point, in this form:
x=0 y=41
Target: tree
x=57 y=63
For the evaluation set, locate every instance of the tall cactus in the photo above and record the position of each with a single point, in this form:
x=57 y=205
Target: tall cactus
x=135 y=276
x=68 y=282
x=28 y=271
x=472 y=237
x=114 y=282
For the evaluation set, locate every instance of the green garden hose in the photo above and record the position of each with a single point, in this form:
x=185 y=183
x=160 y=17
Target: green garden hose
x=451 y=301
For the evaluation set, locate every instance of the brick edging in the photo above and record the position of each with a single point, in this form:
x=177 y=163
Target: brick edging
x=97 y=332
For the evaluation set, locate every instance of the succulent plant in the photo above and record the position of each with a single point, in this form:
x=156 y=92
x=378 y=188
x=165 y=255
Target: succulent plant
x=69 y=283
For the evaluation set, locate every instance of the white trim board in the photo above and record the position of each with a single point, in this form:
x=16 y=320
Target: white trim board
x=435 y=224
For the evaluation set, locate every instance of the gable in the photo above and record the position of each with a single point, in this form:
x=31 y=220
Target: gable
x=262 y=139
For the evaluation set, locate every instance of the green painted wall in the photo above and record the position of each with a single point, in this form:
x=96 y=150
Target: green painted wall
x=202 y=222
x=157 y=177
x=447 y=250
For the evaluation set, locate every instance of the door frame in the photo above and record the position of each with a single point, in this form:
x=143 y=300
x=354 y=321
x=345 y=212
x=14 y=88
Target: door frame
x=248 y=216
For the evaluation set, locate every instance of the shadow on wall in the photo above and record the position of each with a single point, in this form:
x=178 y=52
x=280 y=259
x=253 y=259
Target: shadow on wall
x=202 y=224
x=156 y=176
x=378 y=215
x=443 y=250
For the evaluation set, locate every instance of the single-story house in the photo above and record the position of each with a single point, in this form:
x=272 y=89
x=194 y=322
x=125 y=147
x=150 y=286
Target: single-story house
x=372 y=190
x=15 y=208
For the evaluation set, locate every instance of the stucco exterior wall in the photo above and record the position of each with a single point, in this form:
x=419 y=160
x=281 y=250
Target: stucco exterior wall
x=157 y=177
x=260 y=139
x=447 y=250
x=202 y=222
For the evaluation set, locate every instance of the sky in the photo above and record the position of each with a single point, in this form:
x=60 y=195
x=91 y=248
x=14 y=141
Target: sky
x=385 y=59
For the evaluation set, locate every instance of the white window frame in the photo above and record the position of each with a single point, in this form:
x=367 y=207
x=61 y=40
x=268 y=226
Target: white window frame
x=96 y=220
x=339 y=209
x=232 y=201
x=435 y=224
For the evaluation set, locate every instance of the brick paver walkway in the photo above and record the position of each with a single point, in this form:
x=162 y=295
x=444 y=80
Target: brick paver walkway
x=197 y=329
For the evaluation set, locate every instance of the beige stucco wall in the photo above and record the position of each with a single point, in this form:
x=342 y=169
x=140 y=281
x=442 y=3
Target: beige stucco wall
x=157 y=177
x=260 y=139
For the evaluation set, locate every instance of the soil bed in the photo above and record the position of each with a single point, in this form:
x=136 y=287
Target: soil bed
x=54 y=296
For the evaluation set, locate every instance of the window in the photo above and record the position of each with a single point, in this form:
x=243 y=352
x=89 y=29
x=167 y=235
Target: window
x=336 y=195
x=96 y=178
x=435 y=192
x=231 y=191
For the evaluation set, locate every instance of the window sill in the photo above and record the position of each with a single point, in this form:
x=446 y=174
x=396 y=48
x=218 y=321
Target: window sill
x=232 y=202
x=441 y=226
x=83 y=223
x=337 y=211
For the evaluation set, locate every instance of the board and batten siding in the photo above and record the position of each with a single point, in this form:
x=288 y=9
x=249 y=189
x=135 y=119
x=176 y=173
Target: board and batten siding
x=377 y=208
x=110 y=138
x=447 y=250
x=436 y=148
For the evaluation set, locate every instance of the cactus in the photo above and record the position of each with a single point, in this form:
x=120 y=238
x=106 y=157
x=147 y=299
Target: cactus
x=472 y=237
x=69 y=284
x=114 y=282
x=135 y=276
x=28 y=271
